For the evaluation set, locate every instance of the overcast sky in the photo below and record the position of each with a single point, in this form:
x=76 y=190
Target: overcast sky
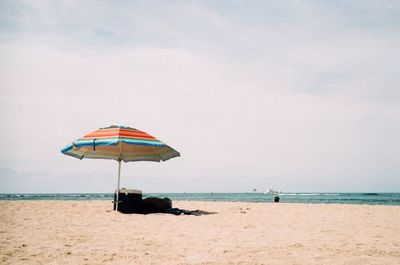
x=290 y=95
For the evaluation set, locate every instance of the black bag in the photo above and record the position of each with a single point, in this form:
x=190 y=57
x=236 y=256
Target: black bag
x=156 y=205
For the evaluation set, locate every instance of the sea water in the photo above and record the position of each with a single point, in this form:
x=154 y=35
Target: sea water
x=303 y=197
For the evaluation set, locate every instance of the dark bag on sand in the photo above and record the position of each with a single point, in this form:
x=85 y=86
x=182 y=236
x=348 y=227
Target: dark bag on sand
x=156 y=205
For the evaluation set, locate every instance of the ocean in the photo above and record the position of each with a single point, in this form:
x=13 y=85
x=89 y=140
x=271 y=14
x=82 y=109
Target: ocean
x=304 y=197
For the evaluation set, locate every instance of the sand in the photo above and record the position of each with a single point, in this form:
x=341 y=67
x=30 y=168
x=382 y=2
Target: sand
x=88 y=232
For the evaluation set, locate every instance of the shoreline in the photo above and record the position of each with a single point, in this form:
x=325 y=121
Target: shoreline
x=311 y=198
x=109 y=200
x=89 y=232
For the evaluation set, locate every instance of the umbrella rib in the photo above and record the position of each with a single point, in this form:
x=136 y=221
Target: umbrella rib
x=120 y=150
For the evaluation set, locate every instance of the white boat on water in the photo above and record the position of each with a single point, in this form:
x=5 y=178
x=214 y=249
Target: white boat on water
x=273 y=192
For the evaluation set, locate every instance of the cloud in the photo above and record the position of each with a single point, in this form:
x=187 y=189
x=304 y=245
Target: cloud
x=293 y=95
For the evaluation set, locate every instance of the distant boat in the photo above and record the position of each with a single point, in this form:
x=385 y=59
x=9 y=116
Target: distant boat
x=273 y=192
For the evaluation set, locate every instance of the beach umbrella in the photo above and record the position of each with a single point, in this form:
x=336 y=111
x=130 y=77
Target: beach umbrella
x=120 y=143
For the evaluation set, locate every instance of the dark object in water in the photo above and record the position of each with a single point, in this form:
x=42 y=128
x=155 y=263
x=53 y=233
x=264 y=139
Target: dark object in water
x=276 y=199
x=156 y=205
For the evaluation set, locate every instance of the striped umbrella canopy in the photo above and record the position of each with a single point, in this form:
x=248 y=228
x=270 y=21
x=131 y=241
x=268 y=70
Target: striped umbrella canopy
x=122 y=144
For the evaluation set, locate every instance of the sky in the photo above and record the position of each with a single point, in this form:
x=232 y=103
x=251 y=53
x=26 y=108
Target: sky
x=290 y=95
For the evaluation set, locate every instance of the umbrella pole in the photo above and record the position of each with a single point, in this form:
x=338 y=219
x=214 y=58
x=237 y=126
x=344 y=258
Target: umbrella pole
x=119 y=177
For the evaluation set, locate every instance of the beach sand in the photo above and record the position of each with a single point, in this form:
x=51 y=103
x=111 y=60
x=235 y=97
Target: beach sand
x=89 y=232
